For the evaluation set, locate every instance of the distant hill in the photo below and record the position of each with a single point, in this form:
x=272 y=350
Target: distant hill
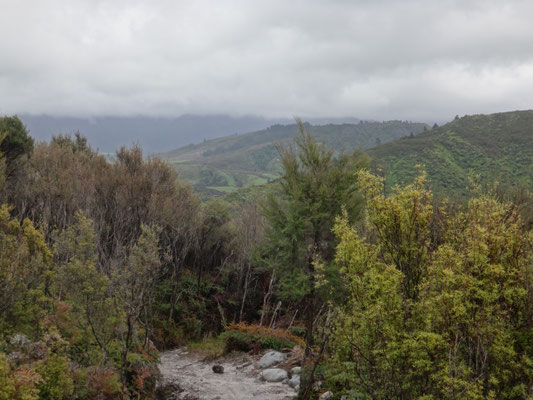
x=496 y=146
x=222 y=165
x=153 y=134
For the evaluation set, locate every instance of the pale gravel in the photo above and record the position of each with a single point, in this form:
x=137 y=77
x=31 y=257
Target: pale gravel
x=240 y=380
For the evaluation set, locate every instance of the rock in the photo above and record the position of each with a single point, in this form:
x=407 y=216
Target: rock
x=296 y=371
x=271 y=358
x=274 y=375
x=294 y=382
x=168 y=391
x=218 y=369
x=326 y=396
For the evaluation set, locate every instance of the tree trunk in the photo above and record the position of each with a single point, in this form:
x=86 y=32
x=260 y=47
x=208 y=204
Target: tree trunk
x=309 y=323
x=246 y=283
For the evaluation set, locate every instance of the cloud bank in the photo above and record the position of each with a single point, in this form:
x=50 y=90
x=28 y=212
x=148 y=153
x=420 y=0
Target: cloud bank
x=383 y=59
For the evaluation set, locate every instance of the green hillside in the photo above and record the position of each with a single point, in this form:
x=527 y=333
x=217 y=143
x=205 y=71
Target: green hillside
x=222 y=165
x=497 y=147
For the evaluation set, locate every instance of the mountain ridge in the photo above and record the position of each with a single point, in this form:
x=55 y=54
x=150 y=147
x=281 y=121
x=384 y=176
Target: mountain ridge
x=220 y=165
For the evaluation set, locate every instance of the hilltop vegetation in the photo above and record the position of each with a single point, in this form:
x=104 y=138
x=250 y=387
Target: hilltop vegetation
x=497 y=147
x=396 y=296
x=222 y=165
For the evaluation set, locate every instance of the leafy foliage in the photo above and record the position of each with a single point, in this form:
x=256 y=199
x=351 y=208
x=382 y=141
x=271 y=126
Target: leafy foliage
x=496 y=146
x=313 y=188
x=16 y=144
x=457 y=330
x=244 y=337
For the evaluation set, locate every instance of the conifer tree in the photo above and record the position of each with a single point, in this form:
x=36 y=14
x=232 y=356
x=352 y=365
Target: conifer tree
x=313 y=188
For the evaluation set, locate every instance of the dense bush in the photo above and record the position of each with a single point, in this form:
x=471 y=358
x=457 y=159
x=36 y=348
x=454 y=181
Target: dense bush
x=434 y=317
x=244 y=337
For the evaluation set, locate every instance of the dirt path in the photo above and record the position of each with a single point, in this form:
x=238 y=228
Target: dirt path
x=239 y=381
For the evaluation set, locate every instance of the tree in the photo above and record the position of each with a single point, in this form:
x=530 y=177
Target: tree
x=2 y=166
x=313 y=188
x=77 y=144
x=86 y=289
x=17 y=142
x=134 y=291
x=25 y=274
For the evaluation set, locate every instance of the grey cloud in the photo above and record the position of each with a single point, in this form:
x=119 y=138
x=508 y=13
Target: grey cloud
x=383 y=59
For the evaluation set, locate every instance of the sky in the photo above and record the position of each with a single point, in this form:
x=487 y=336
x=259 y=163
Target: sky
x=423 y=60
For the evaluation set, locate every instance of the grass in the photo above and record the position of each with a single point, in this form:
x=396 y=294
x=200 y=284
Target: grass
x=223 y=189
x=210 y=347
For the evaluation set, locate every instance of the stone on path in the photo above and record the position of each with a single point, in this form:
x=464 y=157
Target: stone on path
x=218 y=369
x=271 y=358
x=274 y=375
x=294 y=381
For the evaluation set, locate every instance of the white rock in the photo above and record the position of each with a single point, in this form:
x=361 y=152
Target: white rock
x=326 y=396
x=274 y=375
x=296 y=370
x=294 y=382
x=271 y=358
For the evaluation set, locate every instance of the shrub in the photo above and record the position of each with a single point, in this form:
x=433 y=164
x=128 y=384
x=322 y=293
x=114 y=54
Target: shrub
x=57 y=383
x=299 y=331
x=7 y=386
x=244 y=337
x=103 y=382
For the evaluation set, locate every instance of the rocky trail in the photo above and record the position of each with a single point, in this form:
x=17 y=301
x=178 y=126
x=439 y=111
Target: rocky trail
x=187 y=376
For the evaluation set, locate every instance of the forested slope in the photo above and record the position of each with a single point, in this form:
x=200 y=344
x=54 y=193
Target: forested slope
x=496 y=146
x=222 y=165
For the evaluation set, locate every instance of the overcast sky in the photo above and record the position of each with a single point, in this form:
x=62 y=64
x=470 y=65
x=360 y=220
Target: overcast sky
x=418 y=60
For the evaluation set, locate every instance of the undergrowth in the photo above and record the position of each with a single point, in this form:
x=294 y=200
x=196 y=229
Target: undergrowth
x=244 y=337
x=209 y=347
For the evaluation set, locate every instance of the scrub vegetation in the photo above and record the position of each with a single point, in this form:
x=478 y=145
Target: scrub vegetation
x=415 y=282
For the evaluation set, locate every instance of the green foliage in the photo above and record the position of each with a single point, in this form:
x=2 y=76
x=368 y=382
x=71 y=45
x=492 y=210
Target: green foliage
x=85 y=289
x=243 y=337
x=58 y=383
x=25 y=272
x=496 y=146
x=16 y=143
x=401 y=224
x=313 y=189
x=77 y=144
x=210 y=347
x=297 y=331
x=220 y=166
x=451 y=333
x=2 y=165
x=7 y=386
